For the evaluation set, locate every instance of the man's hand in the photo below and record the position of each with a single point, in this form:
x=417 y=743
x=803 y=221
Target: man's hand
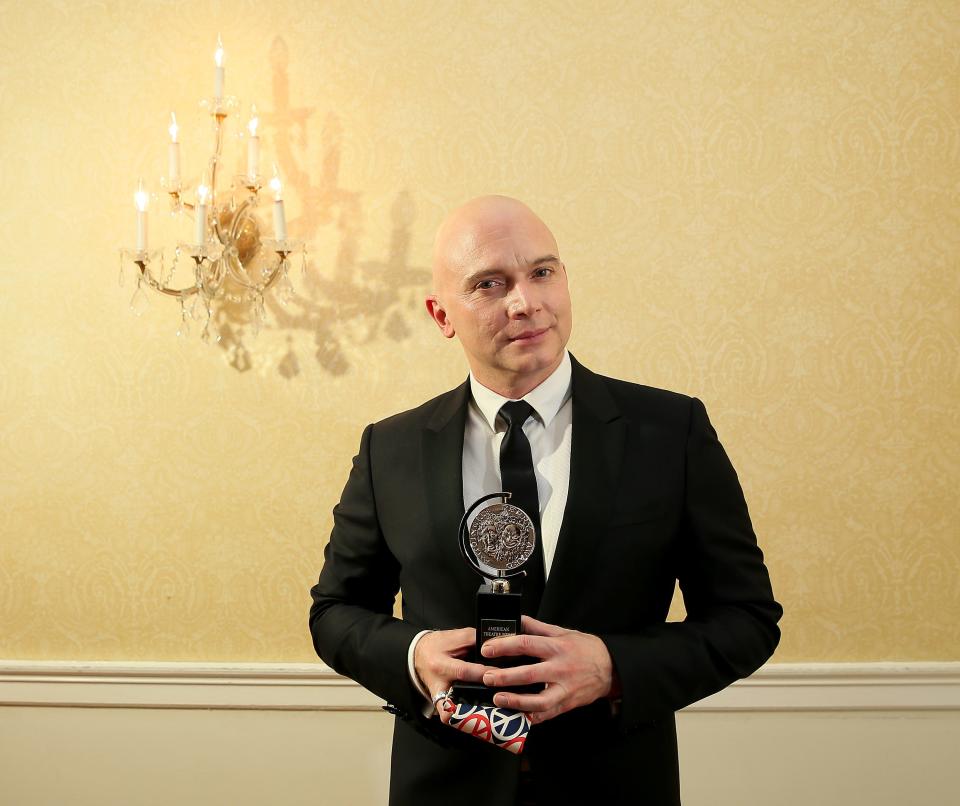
x=438 y=661
x=576 y=667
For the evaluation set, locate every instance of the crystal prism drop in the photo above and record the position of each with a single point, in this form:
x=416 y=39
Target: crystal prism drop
x=284 y=290
x=139 y=302
x=210 y=332
x=258 y=315
x=184 y=329
x=195 y=309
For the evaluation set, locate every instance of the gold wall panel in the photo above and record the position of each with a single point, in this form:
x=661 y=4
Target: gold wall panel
x=757 y=203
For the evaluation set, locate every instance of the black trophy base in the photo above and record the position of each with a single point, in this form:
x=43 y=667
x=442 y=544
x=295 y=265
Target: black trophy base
x=498 y=615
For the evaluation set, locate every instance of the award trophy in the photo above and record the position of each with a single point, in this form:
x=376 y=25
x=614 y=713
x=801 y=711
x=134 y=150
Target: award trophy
x=496 y=543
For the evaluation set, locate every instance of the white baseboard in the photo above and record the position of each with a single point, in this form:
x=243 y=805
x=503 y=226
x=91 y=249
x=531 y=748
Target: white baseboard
x=315 y=687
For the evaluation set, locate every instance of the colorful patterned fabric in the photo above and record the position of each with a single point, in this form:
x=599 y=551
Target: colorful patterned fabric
x=502 y=727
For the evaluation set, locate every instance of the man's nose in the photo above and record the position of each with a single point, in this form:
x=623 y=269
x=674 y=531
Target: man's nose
x=522 y=300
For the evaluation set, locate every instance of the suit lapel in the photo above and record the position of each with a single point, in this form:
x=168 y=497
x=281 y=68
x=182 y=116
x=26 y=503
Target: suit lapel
x=442 y=445
x=596 y=454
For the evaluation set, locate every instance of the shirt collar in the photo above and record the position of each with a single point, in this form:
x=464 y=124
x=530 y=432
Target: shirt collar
x=546 y=399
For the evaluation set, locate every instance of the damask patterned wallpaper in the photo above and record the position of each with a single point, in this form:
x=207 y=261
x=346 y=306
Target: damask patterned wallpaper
x=757 y=203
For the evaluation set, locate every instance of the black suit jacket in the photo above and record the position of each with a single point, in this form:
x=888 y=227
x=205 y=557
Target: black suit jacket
x=653 y=499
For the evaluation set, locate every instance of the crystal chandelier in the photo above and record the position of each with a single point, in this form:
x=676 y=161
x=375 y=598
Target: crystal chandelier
x=233 y=261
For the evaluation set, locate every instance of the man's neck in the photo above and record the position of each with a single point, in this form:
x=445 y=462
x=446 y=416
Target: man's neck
x=514 y=386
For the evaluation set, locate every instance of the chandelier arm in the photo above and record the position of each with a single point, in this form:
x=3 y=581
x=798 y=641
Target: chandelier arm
x=219 y=117
x=238 y=278
x=275 y=274
x=157 y=286
x=216 y=277
x=232 y=260
x=240 y=216
x=234 y=266
x=267 y=283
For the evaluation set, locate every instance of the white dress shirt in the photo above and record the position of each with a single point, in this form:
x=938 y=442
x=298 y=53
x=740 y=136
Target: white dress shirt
x=549 y=435
x=549 y=431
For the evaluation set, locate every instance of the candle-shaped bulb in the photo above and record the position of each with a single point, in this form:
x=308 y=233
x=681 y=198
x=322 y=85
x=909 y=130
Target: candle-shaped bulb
x=276 y=185
x=141 y=198
x=200 y=213
x=279 y=217
x=218 y=58
x=253 y=146
x=173 y=154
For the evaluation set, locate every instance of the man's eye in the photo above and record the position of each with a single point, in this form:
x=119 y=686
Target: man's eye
x=485 y=285
x=543 y=271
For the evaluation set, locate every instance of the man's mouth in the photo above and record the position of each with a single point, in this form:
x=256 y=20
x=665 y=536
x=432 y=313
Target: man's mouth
x=529 y=335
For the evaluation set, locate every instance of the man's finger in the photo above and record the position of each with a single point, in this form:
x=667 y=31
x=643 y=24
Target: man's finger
x=533 y=645
x=463 y=670
x=547 y=700
x=461 y=638
x=534 y=627
x=464 y=635
x=518 y=675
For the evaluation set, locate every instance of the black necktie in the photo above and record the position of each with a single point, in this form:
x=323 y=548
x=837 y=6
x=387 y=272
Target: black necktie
x=519 y=479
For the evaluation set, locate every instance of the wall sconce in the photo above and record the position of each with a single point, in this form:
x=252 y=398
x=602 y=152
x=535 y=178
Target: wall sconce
x=233 y=261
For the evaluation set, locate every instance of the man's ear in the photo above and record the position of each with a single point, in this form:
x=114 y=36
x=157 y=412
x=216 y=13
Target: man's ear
x=439 y=315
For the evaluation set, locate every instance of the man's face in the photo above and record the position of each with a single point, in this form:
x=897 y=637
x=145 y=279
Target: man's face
x=501 y=288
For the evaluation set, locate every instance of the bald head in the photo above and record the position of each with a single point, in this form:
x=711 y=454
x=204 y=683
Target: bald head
x=465 y=232
x=500 y=288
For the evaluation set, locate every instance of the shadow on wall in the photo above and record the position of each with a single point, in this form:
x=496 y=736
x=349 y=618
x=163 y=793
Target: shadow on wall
x=361 y=300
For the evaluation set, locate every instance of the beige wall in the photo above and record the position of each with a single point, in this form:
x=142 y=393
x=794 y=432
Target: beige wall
x=102 y=757
x=757 y=202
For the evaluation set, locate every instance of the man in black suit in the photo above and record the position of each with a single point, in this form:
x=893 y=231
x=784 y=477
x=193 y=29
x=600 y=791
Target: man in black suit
x=635 y=493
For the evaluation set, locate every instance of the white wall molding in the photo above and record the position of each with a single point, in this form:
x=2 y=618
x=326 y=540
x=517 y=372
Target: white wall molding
x=123 y=684
x=315 y=687
x=842 y=687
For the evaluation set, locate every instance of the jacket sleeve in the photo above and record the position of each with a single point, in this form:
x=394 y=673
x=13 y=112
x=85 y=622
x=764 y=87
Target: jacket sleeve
x=351 y=619
x=731 y=624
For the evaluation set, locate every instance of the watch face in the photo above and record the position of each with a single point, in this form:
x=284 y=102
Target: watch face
x=502 y=537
